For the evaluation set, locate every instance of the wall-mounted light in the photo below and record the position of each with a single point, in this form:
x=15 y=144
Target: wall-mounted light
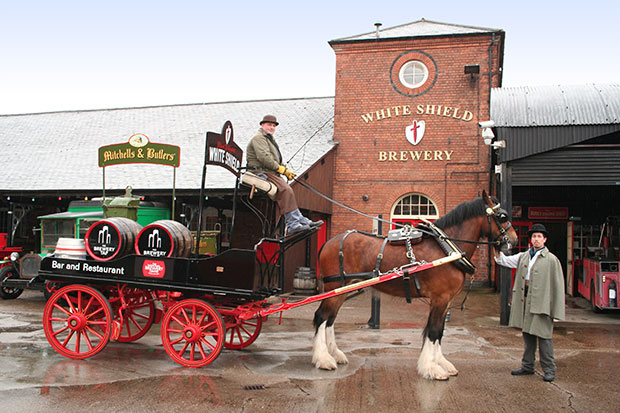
x=365 y=197
x=472 y=70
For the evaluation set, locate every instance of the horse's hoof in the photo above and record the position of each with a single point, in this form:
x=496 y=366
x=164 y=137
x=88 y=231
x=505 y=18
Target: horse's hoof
x=326 y=364
x=340 y=357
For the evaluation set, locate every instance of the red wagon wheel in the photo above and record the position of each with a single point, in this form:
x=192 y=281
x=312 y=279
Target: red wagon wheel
x=138 y=315
x=241 y=333
x=77 y=321
x=192 y=332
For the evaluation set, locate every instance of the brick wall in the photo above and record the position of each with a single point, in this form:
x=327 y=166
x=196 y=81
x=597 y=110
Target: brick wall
x=449 y=165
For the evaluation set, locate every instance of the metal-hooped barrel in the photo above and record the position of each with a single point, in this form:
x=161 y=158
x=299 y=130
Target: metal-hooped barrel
x=111 y=238
x=164 y=238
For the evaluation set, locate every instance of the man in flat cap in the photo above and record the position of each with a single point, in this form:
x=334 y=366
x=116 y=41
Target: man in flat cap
x=537 y=299
x=265 y=160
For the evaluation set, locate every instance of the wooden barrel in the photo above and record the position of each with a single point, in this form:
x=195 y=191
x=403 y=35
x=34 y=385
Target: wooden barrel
x=111 y=238
x=72 y=248
x=164 y=238
x=304 y=281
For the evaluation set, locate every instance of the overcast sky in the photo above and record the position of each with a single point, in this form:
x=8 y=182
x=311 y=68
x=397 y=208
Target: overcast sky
x=72 y=55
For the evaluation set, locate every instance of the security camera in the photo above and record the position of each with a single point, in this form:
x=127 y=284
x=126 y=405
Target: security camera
x=486 y=124
x=487 y=134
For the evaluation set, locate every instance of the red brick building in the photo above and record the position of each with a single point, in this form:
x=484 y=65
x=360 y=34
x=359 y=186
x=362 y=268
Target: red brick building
x=407 y=105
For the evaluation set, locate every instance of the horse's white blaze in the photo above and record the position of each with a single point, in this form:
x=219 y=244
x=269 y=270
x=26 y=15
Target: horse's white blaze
x=334 y=351
x=428 y=365
x=320 y=355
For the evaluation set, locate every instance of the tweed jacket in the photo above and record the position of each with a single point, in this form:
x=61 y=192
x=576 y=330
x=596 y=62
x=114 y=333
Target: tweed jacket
x=263 y=153
x=545 y=298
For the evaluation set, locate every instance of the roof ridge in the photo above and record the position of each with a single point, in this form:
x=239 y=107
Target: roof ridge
x=165 y=106
x=422 y=20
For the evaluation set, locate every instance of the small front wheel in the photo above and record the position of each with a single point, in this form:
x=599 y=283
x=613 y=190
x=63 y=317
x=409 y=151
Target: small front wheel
x=77 y=321
x=192 y=333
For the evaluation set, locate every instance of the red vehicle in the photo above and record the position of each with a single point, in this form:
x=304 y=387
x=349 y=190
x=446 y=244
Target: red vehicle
x=599 y=275
x=599 y=282
x=8 y=256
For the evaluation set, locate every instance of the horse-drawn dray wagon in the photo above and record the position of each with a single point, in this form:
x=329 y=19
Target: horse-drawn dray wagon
x=208 y=302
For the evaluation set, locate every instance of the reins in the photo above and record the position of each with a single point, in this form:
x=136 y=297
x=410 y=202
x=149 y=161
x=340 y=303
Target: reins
x=333 y=201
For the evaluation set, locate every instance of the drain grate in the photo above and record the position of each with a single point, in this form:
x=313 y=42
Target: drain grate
x=254 y=387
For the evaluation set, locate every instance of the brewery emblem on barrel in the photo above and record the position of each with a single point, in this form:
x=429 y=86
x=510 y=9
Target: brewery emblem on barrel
x=111 y=238
x=164 y=238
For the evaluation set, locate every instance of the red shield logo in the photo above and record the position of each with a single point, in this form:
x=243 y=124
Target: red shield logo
x=415 y=132
x=153 y=269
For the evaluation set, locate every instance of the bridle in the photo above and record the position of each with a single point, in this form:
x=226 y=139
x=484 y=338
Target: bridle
x=500 y=216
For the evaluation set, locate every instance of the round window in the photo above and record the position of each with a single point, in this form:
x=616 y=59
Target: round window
x=413 y=74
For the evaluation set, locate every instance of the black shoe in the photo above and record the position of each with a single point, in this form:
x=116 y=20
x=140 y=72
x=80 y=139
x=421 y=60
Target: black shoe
x=521 y=372
x=549 y=377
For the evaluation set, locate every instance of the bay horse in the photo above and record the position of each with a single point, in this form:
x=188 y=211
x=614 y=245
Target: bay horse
x=359 y=254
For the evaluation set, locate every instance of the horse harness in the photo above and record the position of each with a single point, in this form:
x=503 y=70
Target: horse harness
x=406 y=235
x=409 y=234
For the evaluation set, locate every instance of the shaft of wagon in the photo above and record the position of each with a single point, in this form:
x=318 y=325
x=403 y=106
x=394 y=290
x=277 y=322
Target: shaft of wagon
x=389 y=276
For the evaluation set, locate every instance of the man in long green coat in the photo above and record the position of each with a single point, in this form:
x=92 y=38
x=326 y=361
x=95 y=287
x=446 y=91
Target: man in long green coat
x=537 y=300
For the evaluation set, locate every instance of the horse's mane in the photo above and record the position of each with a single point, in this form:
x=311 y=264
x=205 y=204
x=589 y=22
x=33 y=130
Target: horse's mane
x=462 y=212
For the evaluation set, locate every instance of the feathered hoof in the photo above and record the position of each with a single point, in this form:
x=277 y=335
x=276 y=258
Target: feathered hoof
x=340 y=357
x=325 y=363
x=450 y=369
x=434 y=373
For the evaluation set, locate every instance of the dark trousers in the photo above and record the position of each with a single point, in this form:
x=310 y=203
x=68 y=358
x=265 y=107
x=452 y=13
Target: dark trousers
x=285 y=196
x=545 y=346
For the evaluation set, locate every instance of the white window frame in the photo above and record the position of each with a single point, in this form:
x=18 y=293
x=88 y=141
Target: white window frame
x=417 y=66
x=422 y=202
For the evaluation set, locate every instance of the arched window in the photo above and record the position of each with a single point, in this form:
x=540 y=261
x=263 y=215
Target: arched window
x=411 y=208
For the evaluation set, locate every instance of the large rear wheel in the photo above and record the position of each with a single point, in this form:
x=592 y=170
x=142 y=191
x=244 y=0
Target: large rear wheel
x=77 y=321
x=192 y=333
x=241 y=333
x=138 y=314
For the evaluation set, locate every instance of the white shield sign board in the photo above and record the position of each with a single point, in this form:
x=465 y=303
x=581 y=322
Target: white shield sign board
x=415 y=132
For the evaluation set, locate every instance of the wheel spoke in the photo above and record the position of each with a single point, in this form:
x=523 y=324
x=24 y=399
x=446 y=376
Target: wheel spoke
x=85 y=309
x=187 y=320
x=64 y=343
x=178 y=340
x=208 y=326
x=88 y=343
x=204 y=340
x=174 y=318
x=60 y=331
x=94 y=332
x=204 y=314
x=202 y=351
x=58 y=306
x=180 y=353
x=77 y=342
x=66 y=297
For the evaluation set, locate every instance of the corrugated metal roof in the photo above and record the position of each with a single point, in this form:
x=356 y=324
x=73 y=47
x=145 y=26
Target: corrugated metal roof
x=418 y=28
x=59 y=151
x=525 y=141
x=559 y=105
